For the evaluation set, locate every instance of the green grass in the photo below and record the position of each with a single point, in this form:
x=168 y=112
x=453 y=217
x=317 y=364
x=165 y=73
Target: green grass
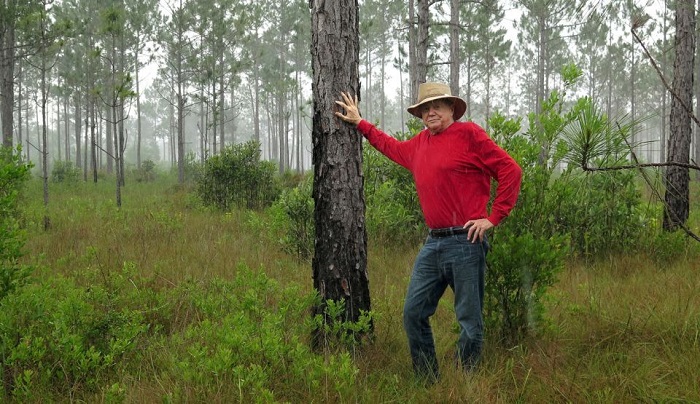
x=626 y=329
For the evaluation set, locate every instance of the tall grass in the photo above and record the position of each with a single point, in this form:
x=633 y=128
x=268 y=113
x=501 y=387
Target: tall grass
x=624 y=329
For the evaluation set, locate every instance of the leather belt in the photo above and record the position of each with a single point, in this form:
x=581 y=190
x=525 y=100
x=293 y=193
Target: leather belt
x=447 y=231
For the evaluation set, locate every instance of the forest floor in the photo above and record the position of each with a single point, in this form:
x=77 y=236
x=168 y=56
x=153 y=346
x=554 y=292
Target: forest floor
x=620 y=329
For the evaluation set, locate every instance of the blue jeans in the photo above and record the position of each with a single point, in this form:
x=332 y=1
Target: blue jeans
x=448 y=261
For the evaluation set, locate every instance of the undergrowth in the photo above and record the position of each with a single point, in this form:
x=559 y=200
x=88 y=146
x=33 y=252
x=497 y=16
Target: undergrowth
x=163 y=301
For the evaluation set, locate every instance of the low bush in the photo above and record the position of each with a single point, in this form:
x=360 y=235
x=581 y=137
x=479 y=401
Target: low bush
x=247 y=339
x=560 y=213
x=66 y=171
x=293 y=220
x=146 y=173
x=239 y=178
x=59 y=338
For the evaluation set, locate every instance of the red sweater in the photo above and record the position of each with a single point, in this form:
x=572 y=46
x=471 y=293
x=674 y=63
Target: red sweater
x=452 y=171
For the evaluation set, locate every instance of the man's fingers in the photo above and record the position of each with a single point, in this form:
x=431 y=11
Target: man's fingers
x=348 y=99
x=472 y=234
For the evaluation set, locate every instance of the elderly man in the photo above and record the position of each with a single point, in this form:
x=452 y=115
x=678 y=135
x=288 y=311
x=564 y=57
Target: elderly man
x=452 y=165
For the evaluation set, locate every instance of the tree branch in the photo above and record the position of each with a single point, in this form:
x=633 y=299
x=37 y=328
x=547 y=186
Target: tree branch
x=645 y=165
x=657 y=194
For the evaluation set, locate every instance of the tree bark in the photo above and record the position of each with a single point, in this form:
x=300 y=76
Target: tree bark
x=455 y=60
x=7 y=67
x=697 y=97
x=340 y=260
x=422 y=42
x=78 y=128
x=677 y=179
x=413 y=86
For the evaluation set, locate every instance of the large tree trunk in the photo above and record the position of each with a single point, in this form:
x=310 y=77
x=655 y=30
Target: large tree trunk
x=7 y=67
x=677 y=178
x=697 y=97
x=664 y=102
x=340 y=259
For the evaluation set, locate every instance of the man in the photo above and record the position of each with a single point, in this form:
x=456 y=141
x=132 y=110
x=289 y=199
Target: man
x=452 y=165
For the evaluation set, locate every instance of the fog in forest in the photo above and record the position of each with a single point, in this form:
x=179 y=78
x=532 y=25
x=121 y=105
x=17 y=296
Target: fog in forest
x=237 y=70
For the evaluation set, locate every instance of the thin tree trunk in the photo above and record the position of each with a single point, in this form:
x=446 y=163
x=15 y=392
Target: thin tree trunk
x=58 y=129
x=77 y=116
x=66 y=124
x=92 y=115
x=44 y=141
x=19 y=102
x=633 y=85
x=455 y=60
x=222 y=109
x=180 y=113
x=412 y=41
x=422 y=43
x=138 y=113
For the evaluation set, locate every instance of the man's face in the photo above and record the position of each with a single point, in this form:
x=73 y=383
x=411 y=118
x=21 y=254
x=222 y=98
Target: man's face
x=437 y=115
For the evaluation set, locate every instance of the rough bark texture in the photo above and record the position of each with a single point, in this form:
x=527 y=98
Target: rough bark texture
x=677 y=178
x=422 y=42
x=340 y=260
x=7 y=67
x=455 y=59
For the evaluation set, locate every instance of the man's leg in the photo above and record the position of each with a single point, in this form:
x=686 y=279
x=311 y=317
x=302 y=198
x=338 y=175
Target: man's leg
x=468 y=268
x=424 y=291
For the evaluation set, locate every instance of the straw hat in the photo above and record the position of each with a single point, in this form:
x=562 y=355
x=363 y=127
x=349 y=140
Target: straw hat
x=434 y=91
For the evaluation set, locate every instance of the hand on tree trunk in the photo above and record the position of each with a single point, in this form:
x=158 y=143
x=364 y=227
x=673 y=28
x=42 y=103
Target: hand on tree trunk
x=352 y=111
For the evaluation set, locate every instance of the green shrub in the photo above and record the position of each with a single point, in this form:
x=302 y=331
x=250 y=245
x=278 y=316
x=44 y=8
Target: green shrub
x=559 y=214
x=293 y=220
x=237 y=177
x=601 y=212
x=667 y=248
x=147 y=172
x=526 y=253
x=194 y=169
x=66 y=171
x=13 y=176
x=61 y=338
x=248 y=342
x=332 y=332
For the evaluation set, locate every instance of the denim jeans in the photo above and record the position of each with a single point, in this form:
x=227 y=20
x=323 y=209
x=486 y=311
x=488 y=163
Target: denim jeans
x=448 y=261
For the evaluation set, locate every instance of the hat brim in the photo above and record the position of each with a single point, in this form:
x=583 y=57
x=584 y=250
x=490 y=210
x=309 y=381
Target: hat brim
x=459 y=105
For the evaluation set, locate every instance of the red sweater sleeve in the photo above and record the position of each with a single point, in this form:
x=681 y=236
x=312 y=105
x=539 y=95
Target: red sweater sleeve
x=398 y=151
x=502 y=168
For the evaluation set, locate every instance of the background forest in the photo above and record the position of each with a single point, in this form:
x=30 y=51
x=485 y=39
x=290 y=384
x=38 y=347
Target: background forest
x=195 y=286
x=178 y=77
